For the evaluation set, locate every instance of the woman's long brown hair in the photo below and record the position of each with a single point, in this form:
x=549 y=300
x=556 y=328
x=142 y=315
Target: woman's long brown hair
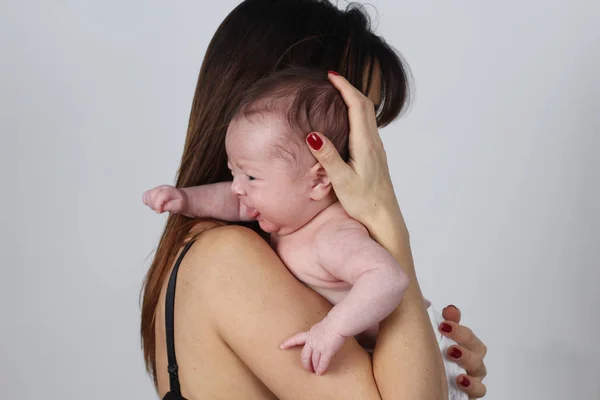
x=255 y=39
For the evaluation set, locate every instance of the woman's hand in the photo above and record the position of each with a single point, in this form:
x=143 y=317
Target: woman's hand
x=363 y=185
x=470 y=354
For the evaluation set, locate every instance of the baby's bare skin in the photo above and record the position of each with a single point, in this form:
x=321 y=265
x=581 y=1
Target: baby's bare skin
x=316 y=239
x=332 y=254
x=300 y=251
x=297 y=251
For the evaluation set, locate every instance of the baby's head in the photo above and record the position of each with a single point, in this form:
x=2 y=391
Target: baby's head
x=296 y=101
x=274 y=172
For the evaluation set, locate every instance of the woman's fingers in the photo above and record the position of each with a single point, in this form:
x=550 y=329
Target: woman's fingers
x=471 y=386
x=350 y=94
x=327 y=155
x=463 y=336
x=465 y=339
x=361 y=113
x=472 y=362
x=451 y=313
x=469 y=353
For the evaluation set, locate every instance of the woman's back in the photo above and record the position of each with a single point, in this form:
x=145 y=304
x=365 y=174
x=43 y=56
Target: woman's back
x=207 y=367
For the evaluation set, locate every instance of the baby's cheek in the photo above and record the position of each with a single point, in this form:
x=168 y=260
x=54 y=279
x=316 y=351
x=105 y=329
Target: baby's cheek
x=279 y=206
x=276 y=199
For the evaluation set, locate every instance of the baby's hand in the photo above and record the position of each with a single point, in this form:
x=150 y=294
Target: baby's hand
x=321 y=343
x=165 y=198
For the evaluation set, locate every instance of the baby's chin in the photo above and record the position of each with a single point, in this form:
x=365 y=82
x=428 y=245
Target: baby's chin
x=270 y=227
x=267 y=226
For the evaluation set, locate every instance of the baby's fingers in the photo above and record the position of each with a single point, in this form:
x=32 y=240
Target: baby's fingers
x=316 y=357
x=324 y=361
x=173 y=206
x=162 y=198
x=148 y=196
x=151 y=197
x=296 y=340
x=306 y=357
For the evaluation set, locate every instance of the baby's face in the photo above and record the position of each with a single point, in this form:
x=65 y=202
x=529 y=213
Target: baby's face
x=270 y=187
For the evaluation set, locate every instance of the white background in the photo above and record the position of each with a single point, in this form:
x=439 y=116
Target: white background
x=496 y=167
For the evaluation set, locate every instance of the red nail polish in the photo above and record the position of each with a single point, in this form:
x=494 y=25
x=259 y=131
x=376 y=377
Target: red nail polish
x=444 y=327
x=465 y=381
x=333 y=73
x=455 y=353
x=314 y=141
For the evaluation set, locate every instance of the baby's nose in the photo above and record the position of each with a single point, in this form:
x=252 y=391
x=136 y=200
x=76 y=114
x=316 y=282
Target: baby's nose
x=236 y=188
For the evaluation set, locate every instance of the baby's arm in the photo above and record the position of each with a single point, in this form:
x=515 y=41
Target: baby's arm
x=214 y=201
x=378 y=282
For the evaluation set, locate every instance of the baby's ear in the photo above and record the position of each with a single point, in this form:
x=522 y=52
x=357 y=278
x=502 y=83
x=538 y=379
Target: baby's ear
x=320 y=183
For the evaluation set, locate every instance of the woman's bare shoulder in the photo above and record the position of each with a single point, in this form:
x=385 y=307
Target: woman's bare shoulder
x=253 y=303
x=224 y=235
x=225 y=248
x=231 y=241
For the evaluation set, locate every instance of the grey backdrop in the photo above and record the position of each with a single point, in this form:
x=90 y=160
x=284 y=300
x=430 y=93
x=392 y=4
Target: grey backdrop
x=496 y=167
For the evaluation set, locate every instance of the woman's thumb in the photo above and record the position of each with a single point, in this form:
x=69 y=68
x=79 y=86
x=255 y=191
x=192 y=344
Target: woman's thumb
x=326 y=153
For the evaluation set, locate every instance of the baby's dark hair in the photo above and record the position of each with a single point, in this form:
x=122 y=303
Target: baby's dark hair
x=306 y=101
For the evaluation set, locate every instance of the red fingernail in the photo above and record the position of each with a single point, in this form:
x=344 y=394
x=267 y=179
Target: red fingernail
x=455 y=353
x=444 y=327
x=314 y=141
x=465 y=381
x=333 y=73
x=452 y=305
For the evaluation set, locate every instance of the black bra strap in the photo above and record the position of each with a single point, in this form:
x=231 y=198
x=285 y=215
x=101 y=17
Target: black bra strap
x=170 y=323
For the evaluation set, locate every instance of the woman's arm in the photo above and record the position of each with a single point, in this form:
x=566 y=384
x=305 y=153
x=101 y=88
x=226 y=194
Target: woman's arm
x=407 y=352
x=408 y=328
x=255 y=303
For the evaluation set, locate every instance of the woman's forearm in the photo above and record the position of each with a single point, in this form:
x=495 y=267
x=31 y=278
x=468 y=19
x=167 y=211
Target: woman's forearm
x=407 y=358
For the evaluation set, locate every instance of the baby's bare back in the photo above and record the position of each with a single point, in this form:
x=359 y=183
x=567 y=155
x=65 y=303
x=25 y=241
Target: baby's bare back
x=298 y=252
x=335 y=256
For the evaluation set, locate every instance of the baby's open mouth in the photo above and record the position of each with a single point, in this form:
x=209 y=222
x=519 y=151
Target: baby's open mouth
x=253 y=213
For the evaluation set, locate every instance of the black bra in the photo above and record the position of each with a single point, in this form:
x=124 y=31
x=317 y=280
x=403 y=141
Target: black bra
x=175 y=389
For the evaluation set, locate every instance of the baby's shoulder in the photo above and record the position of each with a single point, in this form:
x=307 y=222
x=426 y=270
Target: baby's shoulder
x=338 y=226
